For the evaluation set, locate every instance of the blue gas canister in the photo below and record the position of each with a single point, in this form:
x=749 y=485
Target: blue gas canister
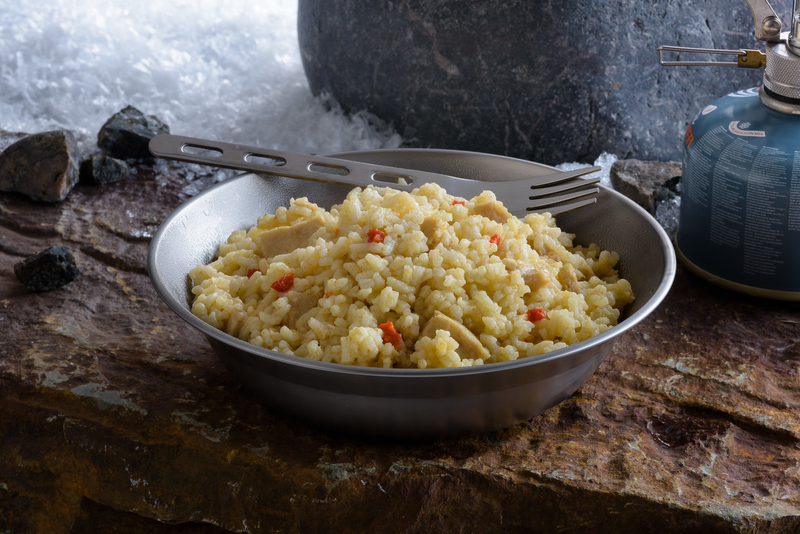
x=739 y=222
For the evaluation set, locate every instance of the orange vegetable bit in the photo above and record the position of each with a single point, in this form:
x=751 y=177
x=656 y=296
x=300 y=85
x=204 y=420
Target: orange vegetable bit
x=536 y=314
x=251 y=272
x=462 y=202
x=376 y=236
x=390 y=335
x=496 y=239
x=284 y=283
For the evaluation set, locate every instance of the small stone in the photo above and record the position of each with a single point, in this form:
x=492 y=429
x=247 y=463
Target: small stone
x=127 y=134
x=47 y=270
x=646 y=182
x=42 y=166
x=99 y=170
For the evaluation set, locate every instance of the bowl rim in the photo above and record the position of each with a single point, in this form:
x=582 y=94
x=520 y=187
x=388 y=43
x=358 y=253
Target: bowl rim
x=670 y=267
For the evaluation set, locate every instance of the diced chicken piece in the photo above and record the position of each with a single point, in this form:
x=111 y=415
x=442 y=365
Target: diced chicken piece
x=469 y=346
x=285 y=239
x=433 y=229
x=493 y=210
x=502 y=249
x=300 y=303
x=568 y=278
x=534 y=278
x=554 y=251
x=235 y=322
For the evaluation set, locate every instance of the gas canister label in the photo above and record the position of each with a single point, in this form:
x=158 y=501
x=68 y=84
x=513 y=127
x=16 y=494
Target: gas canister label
x=708 y=109
x=737 y=129
x=740 y=212
x=745 y=93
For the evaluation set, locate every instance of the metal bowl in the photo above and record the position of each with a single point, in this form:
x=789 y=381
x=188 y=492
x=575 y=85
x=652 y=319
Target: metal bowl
x=407 y=403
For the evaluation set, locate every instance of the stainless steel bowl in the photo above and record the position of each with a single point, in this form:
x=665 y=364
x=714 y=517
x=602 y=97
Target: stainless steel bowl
x=407 y=403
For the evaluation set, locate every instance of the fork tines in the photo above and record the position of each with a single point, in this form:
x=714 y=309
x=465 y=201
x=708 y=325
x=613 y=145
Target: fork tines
x=569 y=195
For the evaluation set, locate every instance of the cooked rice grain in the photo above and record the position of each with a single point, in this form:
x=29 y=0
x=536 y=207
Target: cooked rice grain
x=436 y=255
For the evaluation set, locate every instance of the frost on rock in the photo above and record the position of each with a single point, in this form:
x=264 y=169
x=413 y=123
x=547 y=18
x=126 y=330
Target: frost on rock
x=668 y=214
x=605 y=161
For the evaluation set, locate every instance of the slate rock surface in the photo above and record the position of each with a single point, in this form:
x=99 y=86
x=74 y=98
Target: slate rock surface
x=126 y=134
x=116 y=416
x=646 y=182
x=44 y=166
x=48 y=269
x=99 y=170
x=552 y=82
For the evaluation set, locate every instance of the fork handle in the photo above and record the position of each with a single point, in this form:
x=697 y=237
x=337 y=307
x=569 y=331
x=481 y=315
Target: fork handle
x=280 y=163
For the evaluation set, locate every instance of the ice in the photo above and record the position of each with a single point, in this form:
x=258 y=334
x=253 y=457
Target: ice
x=668 y=213
x=605 y=160
x=229 y=71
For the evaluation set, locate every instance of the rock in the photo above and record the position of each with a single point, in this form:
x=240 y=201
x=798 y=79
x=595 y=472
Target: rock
x=552 y=82
x=127 y=133
x=99 y=170
x=43 y=166
x=8 y=138
x=47 y=270
x=646 y=182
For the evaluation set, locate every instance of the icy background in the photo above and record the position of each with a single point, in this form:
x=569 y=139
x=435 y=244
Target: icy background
x=229 y=71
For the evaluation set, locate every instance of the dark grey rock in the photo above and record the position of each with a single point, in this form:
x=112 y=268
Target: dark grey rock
x=99 y=170
x=43 y=166
x=548 y=81
x=47 y=270
x=127 y=133
x=646 y=182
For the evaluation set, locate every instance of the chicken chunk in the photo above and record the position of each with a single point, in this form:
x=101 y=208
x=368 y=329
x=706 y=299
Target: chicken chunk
x=433 y=229
x=469 y=346
x=534 y=278
x=568 y=278
x=285 y=239
x=493 y=210
x=300 y=303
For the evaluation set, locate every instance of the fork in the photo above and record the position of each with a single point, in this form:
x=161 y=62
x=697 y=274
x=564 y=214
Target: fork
x=555 y=193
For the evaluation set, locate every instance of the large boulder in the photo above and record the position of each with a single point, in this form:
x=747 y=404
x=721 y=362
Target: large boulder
x=546 y=81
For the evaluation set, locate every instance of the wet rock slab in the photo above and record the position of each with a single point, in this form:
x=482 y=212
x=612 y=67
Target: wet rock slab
x=113 y=412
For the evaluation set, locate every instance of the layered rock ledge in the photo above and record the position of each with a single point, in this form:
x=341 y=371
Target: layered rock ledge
x=114 y=412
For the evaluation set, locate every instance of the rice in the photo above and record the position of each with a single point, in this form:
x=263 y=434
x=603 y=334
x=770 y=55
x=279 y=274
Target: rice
x=404 y=280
